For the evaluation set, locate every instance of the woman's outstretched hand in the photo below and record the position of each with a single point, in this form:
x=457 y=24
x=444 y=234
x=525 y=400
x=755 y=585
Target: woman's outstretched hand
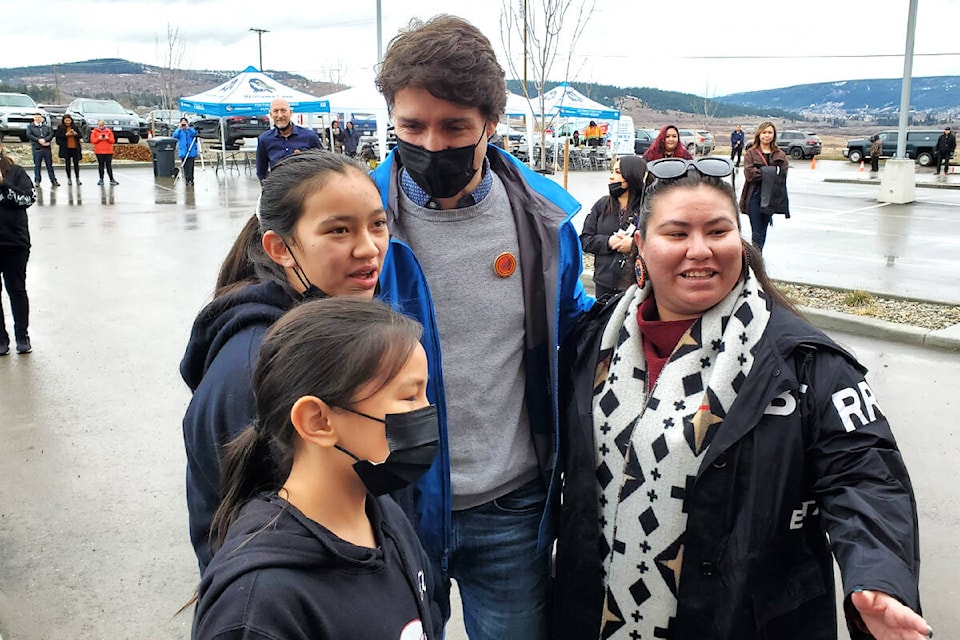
x=888 y=619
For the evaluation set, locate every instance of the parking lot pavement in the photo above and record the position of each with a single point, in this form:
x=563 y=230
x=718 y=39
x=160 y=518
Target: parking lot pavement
x=92 y=517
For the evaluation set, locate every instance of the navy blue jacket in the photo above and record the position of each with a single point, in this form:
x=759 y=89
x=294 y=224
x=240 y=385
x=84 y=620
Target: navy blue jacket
x=218 y=368
x=273 y=147
x=282 y=576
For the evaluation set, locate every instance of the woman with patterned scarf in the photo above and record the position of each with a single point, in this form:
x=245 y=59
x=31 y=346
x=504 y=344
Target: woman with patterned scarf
x=713 y=441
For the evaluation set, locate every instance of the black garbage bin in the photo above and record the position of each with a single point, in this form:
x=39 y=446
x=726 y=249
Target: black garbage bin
x=163 y=150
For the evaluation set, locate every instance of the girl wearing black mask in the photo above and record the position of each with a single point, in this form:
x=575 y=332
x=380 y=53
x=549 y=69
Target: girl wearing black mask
x=320 y=230
x=308 y=551
x=608 y=229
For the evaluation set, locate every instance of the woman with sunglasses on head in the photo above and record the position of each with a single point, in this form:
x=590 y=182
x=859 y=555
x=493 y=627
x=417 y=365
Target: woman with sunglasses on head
x=309 y=546
x=608 y=229
x=764 y=152
x=320 y=230
x=713 y=440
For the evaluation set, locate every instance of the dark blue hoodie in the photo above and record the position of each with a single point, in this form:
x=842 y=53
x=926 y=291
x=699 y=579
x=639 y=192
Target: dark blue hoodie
x=282 y=576
x=218 y=368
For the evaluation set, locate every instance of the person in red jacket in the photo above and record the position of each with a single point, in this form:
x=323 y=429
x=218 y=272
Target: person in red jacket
x=101 y=137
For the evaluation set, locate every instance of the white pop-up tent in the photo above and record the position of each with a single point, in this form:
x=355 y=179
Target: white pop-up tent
x=362 y=100
x=518 y=106
x=249 y=93
x=566 y=102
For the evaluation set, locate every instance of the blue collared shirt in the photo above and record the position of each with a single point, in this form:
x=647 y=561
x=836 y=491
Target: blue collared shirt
x=273 y=147
x=422 y=199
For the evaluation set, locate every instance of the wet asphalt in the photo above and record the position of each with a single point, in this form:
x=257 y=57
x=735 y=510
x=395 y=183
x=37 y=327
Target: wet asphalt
x=93 y=533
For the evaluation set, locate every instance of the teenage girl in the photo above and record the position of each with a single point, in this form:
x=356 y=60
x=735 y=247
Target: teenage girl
x=320 y=230
x=306 y=548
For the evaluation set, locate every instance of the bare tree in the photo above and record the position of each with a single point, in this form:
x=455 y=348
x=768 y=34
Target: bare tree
x=542 y=31
x=170 y=57
x=336 y=71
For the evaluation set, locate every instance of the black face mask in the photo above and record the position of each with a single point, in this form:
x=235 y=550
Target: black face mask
x=616 y=189
x=442 y=174
x=413 y=439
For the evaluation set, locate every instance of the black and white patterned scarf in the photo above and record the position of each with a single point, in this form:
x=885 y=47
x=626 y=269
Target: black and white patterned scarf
x=649 y=447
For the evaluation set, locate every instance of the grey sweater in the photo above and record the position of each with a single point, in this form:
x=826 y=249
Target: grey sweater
x=480 y=317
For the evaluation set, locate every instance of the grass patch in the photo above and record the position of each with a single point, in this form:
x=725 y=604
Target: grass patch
x=858 y=299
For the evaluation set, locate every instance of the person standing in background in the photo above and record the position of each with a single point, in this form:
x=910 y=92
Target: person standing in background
x=336 y=137
x=101 y=137
x=40 y=136
x=875 y=150
x=70 y=146
x=351 y=138
x=736 y=145
x=187 y=149
x=763 y=153
x=608 y=229
x=283 y=139
x=16 y=194
x=946 y=145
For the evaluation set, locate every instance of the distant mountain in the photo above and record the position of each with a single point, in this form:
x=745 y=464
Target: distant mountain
x=937 y=95
x=131 y=83
x=660 y=100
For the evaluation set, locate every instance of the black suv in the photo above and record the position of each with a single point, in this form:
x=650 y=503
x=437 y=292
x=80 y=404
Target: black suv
x=799 y=144
x=238 y=127
x=921 y=146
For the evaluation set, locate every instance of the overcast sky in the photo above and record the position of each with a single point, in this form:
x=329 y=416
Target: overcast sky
x=704 y=47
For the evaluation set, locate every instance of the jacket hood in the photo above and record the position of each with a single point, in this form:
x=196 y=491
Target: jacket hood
x=288 y=540
x=256 y=304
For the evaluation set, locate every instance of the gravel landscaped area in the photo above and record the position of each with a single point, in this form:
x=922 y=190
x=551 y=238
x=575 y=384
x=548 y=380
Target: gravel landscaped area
x=907 y=312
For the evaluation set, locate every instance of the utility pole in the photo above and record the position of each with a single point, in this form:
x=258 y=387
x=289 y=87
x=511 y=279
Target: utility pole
x=260 y=33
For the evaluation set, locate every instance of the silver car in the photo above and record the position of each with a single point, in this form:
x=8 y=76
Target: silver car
x=86 y=112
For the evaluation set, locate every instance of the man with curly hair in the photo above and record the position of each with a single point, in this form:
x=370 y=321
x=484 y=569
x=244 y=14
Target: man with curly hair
x=485 y=256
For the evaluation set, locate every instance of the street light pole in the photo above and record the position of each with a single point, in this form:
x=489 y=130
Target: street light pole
x=260 y=33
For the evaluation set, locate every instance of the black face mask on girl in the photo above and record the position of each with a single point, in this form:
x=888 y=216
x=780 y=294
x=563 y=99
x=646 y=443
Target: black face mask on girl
x=412 y=438
x=442 y=174
x=616 y=189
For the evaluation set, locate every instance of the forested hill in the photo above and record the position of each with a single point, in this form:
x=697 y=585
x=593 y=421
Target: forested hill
x=661 y=100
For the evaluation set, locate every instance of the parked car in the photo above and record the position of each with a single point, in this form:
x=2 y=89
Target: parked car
x=800 y=144
x=86 y=112
x=238 y=127
x=920 y=146
x=16 y=112
x=143 y=127
x=642 y=139
x=55 y=111
x=164 y=121
x=704 y=142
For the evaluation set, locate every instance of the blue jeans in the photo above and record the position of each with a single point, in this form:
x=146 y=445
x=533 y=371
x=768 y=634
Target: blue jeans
x=41 y=156
x=502 y=577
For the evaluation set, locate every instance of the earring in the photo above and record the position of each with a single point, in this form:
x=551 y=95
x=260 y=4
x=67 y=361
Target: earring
x=640 y=269
x=746 y=262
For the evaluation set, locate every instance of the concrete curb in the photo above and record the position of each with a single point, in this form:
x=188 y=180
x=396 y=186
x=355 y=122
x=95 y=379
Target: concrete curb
x=876 y=181
x=948 y=338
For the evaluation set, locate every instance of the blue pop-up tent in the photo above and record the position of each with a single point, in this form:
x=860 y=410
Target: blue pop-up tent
x=250 y=93
x=566 y=102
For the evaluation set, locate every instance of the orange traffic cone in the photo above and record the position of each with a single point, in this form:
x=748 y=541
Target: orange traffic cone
x=861 y=165
x=813 y=162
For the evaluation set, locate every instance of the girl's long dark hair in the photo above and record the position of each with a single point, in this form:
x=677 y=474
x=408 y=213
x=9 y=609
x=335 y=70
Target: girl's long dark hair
x=328 y=348
x=281 y=204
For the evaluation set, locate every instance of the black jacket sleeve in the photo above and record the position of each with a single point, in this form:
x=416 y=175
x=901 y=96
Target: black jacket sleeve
x=861 y=485
x=16 y=190
x=591 y=238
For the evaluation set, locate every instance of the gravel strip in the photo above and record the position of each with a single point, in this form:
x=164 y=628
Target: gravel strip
x=914 y=313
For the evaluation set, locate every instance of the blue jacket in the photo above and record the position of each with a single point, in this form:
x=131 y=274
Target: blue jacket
x=273 y=147
x=186 y=145
x=550 y=267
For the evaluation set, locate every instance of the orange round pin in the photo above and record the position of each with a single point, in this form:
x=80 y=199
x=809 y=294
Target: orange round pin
x=505 y=265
